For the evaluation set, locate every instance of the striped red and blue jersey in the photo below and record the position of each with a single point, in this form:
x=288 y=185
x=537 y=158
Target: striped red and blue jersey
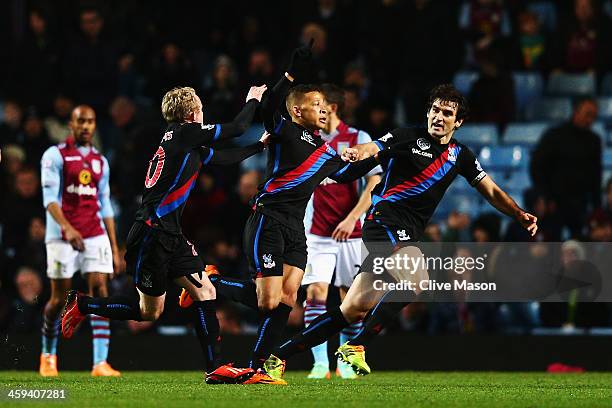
x=415 y=182
x=298 y=160
x=174 y=169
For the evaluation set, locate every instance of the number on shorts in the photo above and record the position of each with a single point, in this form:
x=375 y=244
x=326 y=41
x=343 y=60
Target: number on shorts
x=159 y=158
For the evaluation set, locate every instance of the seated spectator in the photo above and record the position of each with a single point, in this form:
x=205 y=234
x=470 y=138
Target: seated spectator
x=56 y=123
x=566 y=166
x=90 y=68
x=33 y=252
x=27 y=308
x=485 y=25
x=10 y=127
x=36 y=70
x=12 y=162
x=34 y=138
x=171 y=68
x=220 y=98
x=492 y=95
x=583 y=39
x=530 y=44
x=18 y=209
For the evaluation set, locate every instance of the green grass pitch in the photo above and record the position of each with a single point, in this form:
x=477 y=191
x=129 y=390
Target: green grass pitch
x=385 y=389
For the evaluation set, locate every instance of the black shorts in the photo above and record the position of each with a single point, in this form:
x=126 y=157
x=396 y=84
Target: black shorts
x=153 y=257
x=268 y=245
x=382 y=240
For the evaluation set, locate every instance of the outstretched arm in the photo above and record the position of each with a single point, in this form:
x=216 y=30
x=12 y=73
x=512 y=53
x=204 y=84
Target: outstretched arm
x=235 y=155
x=300 y=60
x=352 y=171
x=505 y=204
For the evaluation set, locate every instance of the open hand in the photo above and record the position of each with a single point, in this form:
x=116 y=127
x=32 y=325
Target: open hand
x=256 y=92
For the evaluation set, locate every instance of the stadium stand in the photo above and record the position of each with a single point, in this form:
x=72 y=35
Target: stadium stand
x=477 y=135
x=549 y=108
x=463 y=80
x=562 y=84
x=528 y=86
x=524 y=134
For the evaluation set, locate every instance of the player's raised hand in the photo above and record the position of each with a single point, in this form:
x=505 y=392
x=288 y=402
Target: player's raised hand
x=529 y=221
x=301 y=58
x=256 y=92
x=265 y=138
x=75 y=238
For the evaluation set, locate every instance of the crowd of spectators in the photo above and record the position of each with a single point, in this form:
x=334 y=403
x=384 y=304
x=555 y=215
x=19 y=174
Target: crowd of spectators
x=121 y=57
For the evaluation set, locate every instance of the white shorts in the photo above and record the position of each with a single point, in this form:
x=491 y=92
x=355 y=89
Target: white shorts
x=326 y=255
x=63 y=260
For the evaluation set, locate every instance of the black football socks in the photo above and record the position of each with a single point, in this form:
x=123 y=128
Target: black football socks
x=113 y=307
x=316 y=333
x=237 y=290
x=207 y=329
x=271 y=326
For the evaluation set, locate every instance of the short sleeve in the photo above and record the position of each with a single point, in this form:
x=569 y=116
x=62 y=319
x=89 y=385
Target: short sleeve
x=469 y=167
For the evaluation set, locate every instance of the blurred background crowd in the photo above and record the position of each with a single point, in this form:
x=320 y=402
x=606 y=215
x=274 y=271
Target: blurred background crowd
x=538 y=75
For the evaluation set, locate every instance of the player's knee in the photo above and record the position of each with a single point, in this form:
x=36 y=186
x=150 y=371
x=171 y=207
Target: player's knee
x=289 y=298
x=353 y=314
x=206 y=292
x=317 y=292
x=151 y=314
x=268 y=303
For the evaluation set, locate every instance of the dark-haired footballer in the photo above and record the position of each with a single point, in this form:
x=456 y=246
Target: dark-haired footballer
x=275 y=240
x=421 y=165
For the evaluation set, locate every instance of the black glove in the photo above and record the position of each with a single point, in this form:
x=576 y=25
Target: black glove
x=300 y=61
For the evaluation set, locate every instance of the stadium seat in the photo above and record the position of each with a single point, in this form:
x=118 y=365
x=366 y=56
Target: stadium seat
x=604 y=108
x=546 y=12
x=528 y=86
x=606 y=85
x=607 y=159
x=518 y=181
x=548 y=108
x=502 y=158
x=607 y=166
x=525 y=134
x=468 y=202
x=477 y=135
x=571 y=84
x=599 y=128
x=463 y=81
